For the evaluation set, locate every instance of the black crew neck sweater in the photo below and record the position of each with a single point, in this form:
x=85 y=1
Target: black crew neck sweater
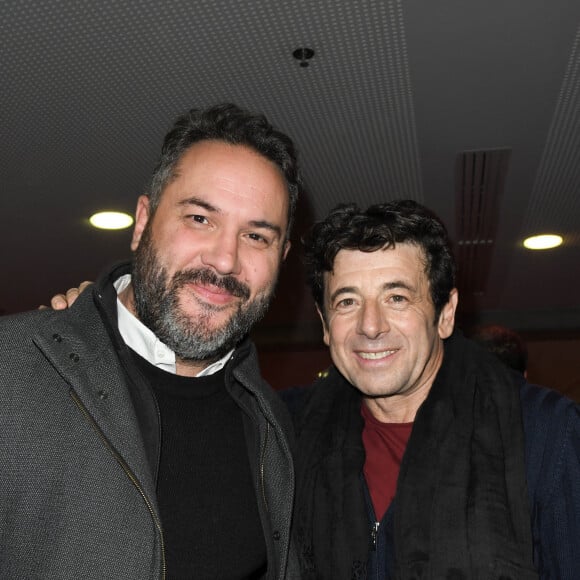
x=205 y=488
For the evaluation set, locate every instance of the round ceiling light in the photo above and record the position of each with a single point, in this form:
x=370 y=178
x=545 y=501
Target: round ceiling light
x=111 y=220
x=543 y=242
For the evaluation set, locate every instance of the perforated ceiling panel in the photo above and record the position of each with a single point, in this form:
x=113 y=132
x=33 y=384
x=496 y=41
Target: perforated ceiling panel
x=555 y=198
x=100 y=81
x=395 y=90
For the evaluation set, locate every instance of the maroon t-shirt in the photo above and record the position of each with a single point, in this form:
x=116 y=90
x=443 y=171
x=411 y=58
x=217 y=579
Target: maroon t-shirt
x=384 y=444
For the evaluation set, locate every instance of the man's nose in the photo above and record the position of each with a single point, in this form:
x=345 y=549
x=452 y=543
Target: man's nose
x=373 y=320
x=222 y=254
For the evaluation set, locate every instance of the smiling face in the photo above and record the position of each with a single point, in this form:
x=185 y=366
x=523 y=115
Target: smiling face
x=380 y=326
x=208 y=259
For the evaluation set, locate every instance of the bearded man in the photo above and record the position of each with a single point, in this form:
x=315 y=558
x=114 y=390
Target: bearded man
x=139 y=440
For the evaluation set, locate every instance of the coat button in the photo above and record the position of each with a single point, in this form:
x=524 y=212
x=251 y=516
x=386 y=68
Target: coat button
x=57 y=337
x=276 y=535
x=74 y=357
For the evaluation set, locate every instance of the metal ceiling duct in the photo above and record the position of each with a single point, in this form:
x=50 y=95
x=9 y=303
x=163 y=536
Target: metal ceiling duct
x=479 y=183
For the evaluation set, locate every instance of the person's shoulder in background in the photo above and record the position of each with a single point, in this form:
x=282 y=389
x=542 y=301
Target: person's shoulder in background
x=552 y=451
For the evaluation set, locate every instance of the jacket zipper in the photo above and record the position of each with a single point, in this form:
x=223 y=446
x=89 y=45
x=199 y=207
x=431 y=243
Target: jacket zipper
x=128 y=473
x=374 y=534
x=262 y=475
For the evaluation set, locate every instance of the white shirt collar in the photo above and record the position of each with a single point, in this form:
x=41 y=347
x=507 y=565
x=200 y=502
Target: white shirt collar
x=142 y=340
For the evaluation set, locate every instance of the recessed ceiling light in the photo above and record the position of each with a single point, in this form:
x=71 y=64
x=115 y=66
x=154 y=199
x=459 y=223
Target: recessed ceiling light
x=543 y=242
x=111 y=220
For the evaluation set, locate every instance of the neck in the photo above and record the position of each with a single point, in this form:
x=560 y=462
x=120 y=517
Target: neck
x=190 y=368
x=397 y=408
x=127 y=298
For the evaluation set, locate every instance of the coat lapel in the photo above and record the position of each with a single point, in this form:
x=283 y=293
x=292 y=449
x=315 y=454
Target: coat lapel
x=79 y=348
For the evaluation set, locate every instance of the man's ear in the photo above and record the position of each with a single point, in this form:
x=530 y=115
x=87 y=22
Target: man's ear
x=446 y=321
x=325 y=335
x=141 y=219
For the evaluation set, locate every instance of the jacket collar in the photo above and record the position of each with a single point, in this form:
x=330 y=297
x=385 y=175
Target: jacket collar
x=78 y=345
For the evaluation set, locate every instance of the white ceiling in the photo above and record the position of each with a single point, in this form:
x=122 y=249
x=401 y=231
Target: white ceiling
x=395 y=92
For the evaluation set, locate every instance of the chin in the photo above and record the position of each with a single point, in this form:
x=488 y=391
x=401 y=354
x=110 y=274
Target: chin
x=376 y=393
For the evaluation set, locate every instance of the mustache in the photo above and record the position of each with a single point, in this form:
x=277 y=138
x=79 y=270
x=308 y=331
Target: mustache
x=207 y=276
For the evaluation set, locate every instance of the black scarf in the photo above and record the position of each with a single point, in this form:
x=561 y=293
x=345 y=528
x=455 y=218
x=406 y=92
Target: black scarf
x=462 y=505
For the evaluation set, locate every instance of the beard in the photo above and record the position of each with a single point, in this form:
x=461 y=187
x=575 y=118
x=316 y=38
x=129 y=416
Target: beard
x=191 y=337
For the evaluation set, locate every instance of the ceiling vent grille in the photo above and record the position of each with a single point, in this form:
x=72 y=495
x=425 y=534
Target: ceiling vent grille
x=479 y=184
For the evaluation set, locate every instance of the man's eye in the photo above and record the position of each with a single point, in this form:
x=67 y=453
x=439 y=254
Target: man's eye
x=398 y=299
x=345 y=303
x=200 y=219
x=259 y=238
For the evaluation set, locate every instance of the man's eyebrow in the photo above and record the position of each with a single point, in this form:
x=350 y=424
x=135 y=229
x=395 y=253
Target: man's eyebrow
x=343 y=290
x=398 y=284
x=260 y=224
x=200 y=203
x=386 y=286
x=263 y=224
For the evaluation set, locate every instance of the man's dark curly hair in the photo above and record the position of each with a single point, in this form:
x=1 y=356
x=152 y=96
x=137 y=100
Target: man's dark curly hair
x=381 y=226
x=231 y=124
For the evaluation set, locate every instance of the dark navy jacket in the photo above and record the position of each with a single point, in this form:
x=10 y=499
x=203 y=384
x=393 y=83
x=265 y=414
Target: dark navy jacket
x=552 y=455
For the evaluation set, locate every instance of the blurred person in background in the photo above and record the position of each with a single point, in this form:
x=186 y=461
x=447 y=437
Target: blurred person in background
x=505 y=343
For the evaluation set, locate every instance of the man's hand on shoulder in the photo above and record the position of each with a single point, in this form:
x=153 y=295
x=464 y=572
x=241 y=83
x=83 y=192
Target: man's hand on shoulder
x=66 y=300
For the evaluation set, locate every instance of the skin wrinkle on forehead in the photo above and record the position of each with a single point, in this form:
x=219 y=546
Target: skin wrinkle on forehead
x=247 y=174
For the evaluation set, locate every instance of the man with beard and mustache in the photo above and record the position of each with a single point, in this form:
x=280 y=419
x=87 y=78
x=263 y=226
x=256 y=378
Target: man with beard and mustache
x=139 y=439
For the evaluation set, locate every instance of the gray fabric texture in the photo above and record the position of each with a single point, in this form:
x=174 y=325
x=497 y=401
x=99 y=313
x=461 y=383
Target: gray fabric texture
x=78 y=497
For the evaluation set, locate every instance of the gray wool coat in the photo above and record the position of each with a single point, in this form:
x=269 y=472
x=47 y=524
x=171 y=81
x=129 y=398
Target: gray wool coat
x=77 y=494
